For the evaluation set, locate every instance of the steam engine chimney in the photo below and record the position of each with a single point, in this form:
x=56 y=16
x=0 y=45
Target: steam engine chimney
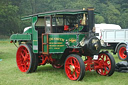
x=90 y=18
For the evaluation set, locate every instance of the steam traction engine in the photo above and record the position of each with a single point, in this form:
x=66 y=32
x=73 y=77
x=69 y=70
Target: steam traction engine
x=62 y=38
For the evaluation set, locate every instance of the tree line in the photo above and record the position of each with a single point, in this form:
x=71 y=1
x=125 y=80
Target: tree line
x=11 y=11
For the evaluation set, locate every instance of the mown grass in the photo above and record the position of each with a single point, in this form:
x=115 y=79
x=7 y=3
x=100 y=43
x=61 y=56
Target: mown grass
x=47 y=75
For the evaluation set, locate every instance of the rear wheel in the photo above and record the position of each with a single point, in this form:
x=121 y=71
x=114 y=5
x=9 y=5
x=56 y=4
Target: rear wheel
x=57 y=66
x=26 y=60
x=74 y=67
x=107 y=64
x=122 y=52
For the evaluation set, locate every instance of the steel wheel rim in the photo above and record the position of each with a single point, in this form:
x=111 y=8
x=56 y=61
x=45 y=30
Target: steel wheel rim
x=105 y=63
x=72 y=68
x=121 y=53
x=23 y=59
x=57 y=65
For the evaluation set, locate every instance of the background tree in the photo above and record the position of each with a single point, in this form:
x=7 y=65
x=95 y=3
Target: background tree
x=11 y=11
x=9 y=19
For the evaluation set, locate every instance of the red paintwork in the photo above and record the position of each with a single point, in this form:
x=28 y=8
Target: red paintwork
x=66 y=27
x=102 y=65
x=46 y=59
x=23 y=59
x=11 y=41
x=75 y=51
x=49 y=59
x=122 y=53
x=72 y=61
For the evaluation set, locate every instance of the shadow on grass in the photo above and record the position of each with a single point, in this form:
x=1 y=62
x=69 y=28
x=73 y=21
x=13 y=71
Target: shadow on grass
x=48 y=68
x=93 y=77
x=89 y=76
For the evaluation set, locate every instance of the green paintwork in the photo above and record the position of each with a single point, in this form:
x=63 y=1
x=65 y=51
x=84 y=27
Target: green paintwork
x=57 y=42
x=35 y=35
x=27 y=35
x=78 y=29
x=45 y=41
x=20 y=37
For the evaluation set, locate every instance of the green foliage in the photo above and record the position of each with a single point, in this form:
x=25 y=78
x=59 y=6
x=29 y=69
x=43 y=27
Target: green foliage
x=124 y=19
x=112 y=14
x=8 y=18
x=99 y=19
x=111 y=11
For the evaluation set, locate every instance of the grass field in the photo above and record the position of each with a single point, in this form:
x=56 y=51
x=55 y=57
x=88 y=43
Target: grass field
x=47 y=75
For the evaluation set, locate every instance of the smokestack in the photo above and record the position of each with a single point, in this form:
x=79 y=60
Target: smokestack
x=90 y=18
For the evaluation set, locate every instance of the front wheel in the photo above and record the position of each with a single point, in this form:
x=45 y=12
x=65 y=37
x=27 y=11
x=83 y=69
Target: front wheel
x=26 y=60
x=74 y=67
x=106 y=63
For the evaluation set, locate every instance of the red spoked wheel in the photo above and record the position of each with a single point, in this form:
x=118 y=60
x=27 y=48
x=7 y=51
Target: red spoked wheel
x=74 y=67
x=57 y=66
x=122 y=52
x=25 y=59
x=106 y=64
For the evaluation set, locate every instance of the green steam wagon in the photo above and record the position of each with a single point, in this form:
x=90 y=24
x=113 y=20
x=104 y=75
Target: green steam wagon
x=61 y=38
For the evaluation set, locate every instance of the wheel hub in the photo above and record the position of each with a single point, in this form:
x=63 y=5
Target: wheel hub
x=24 y=58
x=72 y=68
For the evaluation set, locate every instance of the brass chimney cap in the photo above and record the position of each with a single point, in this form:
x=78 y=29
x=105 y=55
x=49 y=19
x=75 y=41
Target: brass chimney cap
x=91 y=8
x=83 y=8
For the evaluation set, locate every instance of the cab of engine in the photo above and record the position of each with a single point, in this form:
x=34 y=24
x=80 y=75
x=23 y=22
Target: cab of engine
x=64 y=29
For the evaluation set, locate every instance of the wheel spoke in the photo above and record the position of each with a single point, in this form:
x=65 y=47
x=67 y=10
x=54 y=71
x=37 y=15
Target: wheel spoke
x=27 y=57
x=20 y=64
x=74 y=75
x=22 y=55
x=71 y=63
x=107 y=69
x=25 y=69
x=68 y=68
x=77 y=70
x=106 y=64
x=27 y=66
x=104 y=71
x=74 y=62
x=101 y=71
